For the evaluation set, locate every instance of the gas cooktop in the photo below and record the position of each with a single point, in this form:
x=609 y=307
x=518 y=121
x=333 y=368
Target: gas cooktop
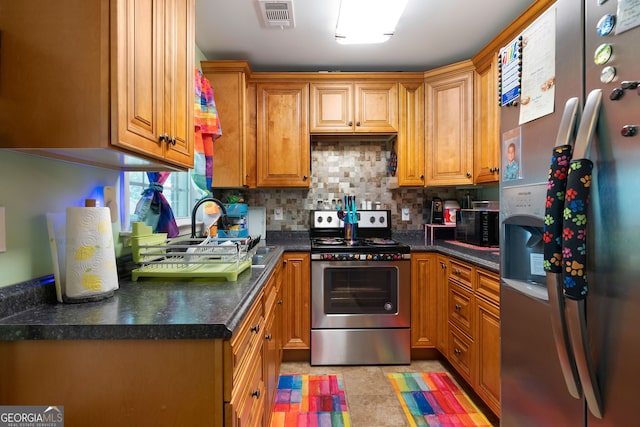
x=373 y=240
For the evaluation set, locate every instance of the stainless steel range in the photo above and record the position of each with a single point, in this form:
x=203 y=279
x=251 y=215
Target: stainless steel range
x=360 y=292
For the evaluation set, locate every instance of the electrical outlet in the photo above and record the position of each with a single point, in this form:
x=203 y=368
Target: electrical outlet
x=277 y=214
x=3 y=232
x=405 y=214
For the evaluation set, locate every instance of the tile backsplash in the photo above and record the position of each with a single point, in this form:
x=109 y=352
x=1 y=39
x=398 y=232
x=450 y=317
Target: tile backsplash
x=358 y=168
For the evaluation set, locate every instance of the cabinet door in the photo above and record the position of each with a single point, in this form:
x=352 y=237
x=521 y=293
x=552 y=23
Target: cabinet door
x=283 y=145
x=488 y=342
x=155 y=79
x=331 y=108
x=449 y=125
x=376 y=108
x=140 y=106
x=178 y=92
x=410 y=142
x=228 y=80
x=296 y=296
x=487 y=125
x=423 y=300
x=442 y=295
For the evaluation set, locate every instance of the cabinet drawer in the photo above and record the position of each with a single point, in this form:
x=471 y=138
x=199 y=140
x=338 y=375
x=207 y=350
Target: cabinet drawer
x=488 y=285
x=247 y=403
x=460 y=307
x=248 y=338
x=461 y=353
x=461 y=273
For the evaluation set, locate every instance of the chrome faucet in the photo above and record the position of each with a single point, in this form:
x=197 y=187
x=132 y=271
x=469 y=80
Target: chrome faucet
x=223 y=214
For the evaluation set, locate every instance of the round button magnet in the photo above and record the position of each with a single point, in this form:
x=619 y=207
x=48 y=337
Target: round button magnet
x=607 y=74
x=605 y=25
x=602 y=54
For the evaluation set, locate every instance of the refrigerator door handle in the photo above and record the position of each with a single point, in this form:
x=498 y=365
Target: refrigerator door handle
x=552 y=238
x=577 y=325
x=574 y=252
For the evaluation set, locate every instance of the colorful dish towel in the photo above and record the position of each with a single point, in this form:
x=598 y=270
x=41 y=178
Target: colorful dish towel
x=207 y=130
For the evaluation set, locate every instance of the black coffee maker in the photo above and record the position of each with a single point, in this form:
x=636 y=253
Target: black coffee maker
x=437 y=211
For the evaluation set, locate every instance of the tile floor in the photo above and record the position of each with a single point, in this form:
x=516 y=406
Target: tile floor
x=370 y=396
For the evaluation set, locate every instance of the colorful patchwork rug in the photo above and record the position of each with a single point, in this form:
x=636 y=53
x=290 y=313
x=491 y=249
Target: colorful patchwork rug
x=433 y=399
x=310 y=401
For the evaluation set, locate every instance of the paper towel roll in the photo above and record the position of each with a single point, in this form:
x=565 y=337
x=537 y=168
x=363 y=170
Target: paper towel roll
x=91 y=261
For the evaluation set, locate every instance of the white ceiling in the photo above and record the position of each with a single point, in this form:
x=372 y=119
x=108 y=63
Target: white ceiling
x=431 y=33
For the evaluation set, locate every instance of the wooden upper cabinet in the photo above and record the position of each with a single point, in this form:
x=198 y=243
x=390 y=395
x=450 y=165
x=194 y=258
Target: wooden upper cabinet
x=283 y=144
x=229 y=82
x=155 y=79
x=449 y=124
x=410 y=141
x=487 y=124
x=348 y=107
x=103 y=91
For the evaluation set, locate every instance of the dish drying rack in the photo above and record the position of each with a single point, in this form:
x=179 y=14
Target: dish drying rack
x=181 y=258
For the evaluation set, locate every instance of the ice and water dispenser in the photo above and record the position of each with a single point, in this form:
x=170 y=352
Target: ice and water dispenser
x=523 y=209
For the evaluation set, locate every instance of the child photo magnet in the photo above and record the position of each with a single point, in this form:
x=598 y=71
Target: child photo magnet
x=511 y=155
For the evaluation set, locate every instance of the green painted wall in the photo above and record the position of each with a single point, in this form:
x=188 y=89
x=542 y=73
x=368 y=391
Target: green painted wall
x=29 y=188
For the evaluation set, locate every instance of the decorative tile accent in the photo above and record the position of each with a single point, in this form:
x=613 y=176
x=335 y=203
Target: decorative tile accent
x=358 y=168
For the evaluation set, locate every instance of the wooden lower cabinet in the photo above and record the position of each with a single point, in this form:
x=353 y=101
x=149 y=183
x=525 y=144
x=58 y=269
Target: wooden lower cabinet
x=442 y=274
x=469 y=325
x=272 y=336
x=296 y=296
x=423 y=300
x=488 y=353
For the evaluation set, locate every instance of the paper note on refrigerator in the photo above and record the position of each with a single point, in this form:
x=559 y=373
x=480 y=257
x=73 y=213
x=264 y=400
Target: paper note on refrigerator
x=538 y=68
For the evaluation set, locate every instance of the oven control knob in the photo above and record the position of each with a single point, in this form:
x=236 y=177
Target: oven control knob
x=372 y=220
x=388 y=306
x=382 y=220
x=329 y=219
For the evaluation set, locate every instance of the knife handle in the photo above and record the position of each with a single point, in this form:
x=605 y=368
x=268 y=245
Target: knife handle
x=554 y=205
x=574 y=229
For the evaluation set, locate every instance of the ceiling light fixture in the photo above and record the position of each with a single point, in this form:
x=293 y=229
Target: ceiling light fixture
x=368 y=21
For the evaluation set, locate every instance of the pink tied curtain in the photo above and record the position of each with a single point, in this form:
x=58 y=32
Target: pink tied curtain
x=153 y=208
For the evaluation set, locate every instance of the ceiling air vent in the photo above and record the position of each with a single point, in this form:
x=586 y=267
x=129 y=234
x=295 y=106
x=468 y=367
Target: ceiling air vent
x=277 y=13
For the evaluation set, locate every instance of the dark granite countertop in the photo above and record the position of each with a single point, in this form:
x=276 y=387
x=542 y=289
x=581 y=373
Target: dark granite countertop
x=487 y=258
x=147 y=309
x=162 y=309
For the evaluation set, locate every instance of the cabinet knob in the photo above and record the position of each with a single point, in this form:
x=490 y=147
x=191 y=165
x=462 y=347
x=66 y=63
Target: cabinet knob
x=279 y=302
x=458 y=307
x=358 y=123
x=305 y=177
x=256 y=394
x=173 y=140
x=164 y=137
x=468 y=174
x=457 y=351
x=267 y=337
x=350 y=123
x=255 y=328
x=421 y=177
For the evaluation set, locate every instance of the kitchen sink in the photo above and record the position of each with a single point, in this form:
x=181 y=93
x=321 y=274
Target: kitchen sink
x=262 y=256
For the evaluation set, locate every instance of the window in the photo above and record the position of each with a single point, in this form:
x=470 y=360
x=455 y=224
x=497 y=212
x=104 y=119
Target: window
x=179 y=190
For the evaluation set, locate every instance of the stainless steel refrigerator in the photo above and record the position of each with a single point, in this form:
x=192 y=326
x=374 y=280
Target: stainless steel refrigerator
x=570 y=353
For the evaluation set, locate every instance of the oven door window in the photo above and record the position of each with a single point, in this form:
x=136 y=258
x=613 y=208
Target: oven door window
x=361 y=290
